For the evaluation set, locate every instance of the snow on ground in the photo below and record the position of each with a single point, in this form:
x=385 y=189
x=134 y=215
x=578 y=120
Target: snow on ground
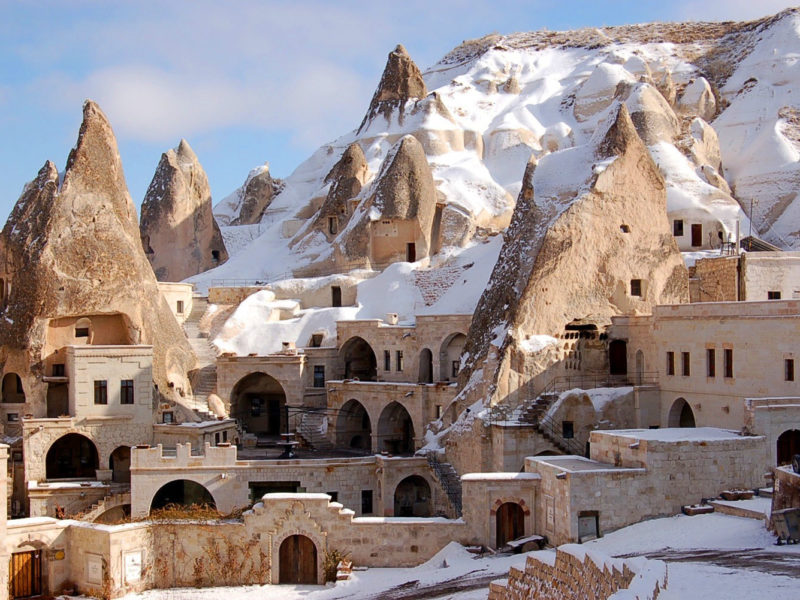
x=688 y=579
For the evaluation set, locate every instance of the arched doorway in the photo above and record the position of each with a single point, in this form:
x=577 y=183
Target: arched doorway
x=450 y=356
x=510 y=523
x=258 y=402
x=412 y=498
x=681 y=415
x=359 y=360
x=788 y=446
x=395 y=430
x=120 y=464
x=182 y=492
x=13 y=392
x=618 y=357
x=426 y=366
x=297 y=559
x=72 y=456
x=353 y=427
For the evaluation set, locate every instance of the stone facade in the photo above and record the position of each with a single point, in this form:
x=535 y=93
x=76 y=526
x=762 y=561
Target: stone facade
x=750 y=276
x=178 y=297
x=786 y=491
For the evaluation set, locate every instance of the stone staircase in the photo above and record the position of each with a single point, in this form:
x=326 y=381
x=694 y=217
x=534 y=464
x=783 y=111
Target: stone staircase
x=533 y=411
x=204 y=380
x=311 y=429
x=448 y=479
x=112 y=500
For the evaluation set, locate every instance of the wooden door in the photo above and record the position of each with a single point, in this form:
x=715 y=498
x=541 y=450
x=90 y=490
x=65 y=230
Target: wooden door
x=25 y=574
x=510 y=523
x=298 y=560
x=697 y=234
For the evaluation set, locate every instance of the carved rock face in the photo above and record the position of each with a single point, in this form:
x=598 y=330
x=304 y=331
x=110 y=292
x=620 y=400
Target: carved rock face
x=178 y=230
x=257 y=195
x=76 y=251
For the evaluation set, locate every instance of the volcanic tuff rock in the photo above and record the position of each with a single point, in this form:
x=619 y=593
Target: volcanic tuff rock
x=178 y=230
x=572 y=250
x=346 y=179
x=257 y=194
x=400 y=82
x=76 y=251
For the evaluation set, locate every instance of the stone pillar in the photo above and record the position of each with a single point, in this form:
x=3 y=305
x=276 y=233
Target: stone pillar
x=3 y=518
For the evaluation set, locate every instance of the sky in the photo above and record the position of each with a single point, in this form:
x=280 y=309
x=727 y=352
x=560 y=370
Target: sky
x=245 y=82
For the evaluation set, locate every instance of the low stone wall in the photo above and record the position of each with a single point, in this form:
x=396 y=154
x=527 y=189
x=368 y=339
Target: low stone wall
x=786 y=491
x=575 y=574
x=231 y=295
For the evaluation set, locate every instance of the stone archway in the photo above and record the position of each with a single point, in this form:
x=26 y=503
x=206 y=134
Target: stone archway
x=353 y=426
x=450 y=356
x=425 y=366
x=412 y=498
x=395 y=430
x=509 y=523
x=258 y=403
x=297 y=560
x=120 y=464
x=358 y=359
x=12 y=389
x=182 y=492
x=72 y=456
x=681 y=414
x=788 y=445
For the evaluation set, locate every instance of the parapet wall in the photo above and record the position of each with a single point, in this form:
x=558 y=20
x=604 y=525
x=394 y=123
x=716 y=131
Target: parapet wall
x=576 y=574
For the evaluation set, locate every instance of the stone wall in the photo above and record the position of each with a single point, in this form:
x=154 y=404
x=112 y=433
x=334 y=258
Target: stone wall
x=484 y=493
x=717 y=279
x=3 y=518
x=288 y=370
x=177 y=292
x=575 y=574
x=231 y=295
x=764 y=272
x=786 y=492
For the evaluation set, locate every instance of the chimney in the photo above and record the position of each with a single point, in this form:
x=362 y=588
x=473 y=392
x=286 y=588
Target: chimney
x=392 y=318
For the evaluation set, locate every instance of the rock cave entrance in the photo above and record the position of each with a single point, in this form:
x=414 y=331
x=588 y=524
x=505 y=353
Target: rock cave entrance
x=258 y=403
x=13 y=392
x=681 y=414
x=395 y=430
x=788 y=446
x=353 y=426
x=618 y=357
x=359 y=360
x=182 y=492
x=72 y=456
x=450 y=356
x=412 y=498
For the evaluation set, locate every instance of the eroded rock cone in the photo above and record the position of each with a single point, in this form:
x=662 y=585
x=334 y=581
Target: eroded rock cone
x=76 y=252
x=258 y=193
x=347 y=177
x=400 y=82
x=178 y=230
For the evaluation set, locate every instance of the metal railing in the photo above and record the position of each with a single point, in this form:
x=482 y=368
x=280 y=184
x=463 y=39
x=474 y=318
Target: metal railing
x=549 y=429
x=589 y=382
x=448 y=480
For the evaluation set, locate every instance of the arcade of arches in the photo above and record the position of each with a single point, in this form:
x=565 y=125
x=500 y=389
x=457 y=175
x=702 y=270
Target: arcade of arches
x=412 y=498
x=72 y=456
x=681 y=415
x=120 y=464
x=258 y=402
x=395 y=430
x=353 y=426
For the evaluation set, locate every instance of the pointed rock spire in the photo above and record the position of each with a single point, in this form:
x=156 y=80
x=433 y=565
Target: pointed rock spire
x=400 y=82
x=178 y=230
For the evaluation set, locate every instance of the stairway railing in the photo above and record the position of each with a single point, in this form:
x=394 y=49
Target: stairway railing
x=449 y=481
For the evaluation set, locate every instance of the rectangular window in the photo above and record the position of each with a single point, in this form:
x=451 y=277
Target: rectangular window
x=567 y=430
x=788 y=369
x=81 y=332
x=58 y=370
x=334 y=496
x=179 y=308
x=101 y=392
x=774 y=295
x=224 y=436
x=670 y=363
x=686 y=364
x=711 y=362
x=366 y=502
x=387 y=360
x=438 y=411
x=728 y=362
x=126 y=391
x=319 y=376
x=454 y=370
x=168 y=417
x=636 y=287
x=677 y=227
x=333 y=225
x=216 y=439
x=12 y=417
x=316 y=340
x=399 y=360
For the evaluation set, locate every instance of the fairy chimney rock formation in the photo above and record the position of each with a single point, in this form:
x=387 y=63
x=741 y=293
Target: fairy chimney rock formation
x=401 y=81
x=346 y=179
x=256 y=195
x=583 y=245
x=178 y=230
x=74 y=253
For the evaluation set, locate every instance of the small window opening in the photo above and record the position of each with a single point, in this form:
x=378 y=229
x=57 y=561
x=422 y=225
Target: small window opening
x=387 y=360
x=711 y=363
x=567 y=430
x=399 y=360
x=215 y=255
x=126 y=391
x=316 y=340
x=58 y=370
x=101 y=391
x=81 y=332
x=729 y=362
x=455 y=365
x=12 y=417
x=168 y=417
x=636 y=287
x=179 y=307
x=677 y=227
x=774 y=295
x=366 y=502
x=624 y=228
x=788 y=369
x=670 y=363
x=686 y=364
x=319 y=376
x=333 y=225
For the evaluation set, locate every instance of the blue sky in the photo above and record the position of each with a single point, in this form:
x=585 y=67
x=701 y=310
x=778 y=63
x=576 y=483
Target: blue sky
x=244 y=82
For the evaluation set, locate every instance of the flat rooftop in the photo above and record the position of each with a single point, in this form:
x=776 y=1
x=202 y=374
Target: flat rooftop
x=578 y=464
x=675 y=434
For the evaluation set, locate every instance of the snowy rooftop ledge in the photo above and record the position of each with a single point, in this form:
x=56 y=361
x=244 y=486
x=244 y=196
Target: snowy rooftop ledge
x=676 y=434
x=579 y=464
x=499 y=476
